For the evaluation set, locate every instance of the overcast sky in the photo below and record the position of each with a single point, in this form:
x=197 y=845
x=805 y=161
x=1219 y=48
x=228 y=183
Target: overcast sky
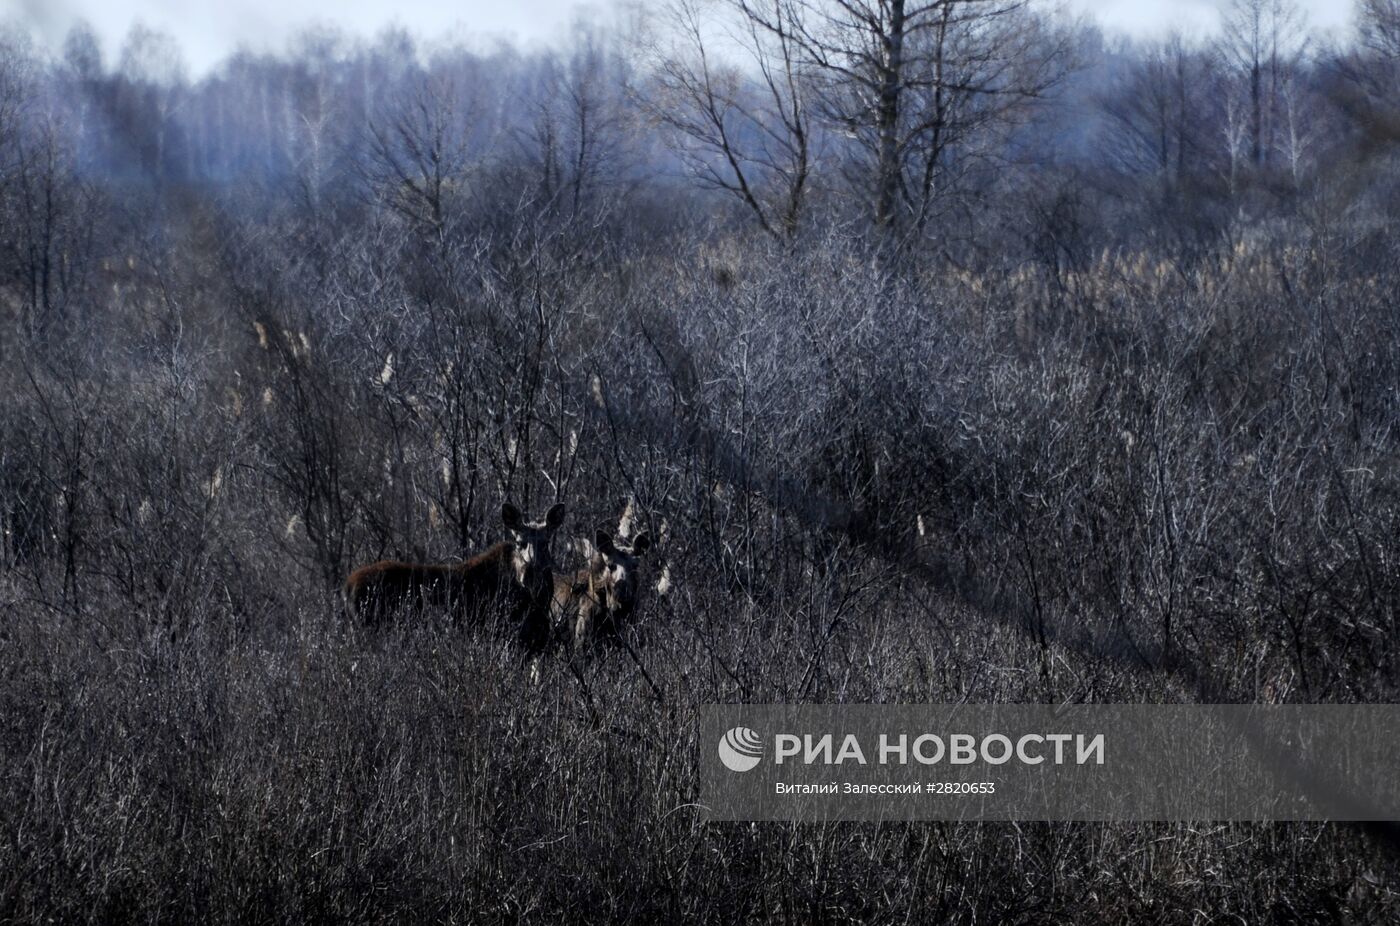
x=209 y=31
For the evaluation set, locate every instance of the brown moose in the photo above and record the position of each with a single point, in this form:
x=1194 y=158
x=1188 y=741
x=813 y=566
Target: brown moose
x=514 y=576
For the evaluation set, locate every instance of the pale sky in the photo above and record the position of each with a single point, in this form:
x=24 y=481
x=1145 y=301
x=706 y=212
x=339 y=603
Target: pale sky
x=1148 y=17
x=209 y=31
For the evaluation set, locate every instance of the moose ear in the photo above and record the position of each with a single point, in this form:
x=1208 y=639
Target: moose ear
x=641 y=543
x=604 y=542
x=510 y=516
x=555 y=517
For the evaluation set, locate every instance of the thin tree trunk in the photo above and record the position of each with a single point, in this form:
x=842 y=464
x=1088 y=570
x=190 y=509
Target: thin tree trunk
x=887 y=170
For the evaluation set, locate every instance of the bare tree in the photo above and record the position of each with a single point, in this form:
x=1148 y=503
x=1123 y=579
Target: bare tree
x=1158 y=115
x=1371 y=68
x=419 y=154
x=13 y=92
x=1368 y=75
x=578 y=137
x=1378 y=27
x=1297 y=134
x=83 y=76
x=318 y=113
x=750 y=137
x=1262 y=43
x=909 y=82
x=982 y=68
x=155 y=81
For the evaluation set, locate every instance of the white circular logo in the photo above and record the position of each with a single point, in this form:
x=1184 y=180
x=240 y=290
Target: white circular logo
x=740 y=749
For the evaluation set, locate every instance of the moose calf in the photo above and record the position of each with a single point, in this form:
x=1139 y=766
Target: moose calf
x=601 y=595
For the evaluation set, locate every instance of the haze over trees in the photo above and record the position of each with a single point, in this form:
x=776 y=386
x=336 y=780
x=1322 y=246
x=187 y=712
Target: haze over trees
x=946 y=350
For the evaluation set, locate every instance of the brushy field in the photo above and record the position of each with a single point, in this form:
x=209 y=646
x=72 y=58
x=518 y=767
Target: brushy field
x=1146 y=481
x=303 y=774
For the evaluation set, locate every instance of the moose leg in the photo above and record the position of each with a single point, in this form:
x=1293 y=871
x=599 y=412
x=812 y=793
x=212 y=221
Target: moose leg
x=534 y=639
x=584 y=626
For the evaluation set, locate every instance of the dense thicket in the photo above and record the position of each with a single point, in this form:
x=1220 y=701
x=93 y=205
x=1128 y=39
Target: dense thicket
x=1023 y=365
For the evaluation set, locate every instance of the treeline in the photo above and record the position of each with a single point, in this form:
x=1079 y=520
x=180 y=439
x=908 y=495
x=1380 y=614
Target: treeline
x=958 y=128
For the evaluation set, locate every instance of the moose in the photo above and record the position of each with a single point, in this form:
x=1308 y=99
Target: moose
x=600 y=596
x=515 y=576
